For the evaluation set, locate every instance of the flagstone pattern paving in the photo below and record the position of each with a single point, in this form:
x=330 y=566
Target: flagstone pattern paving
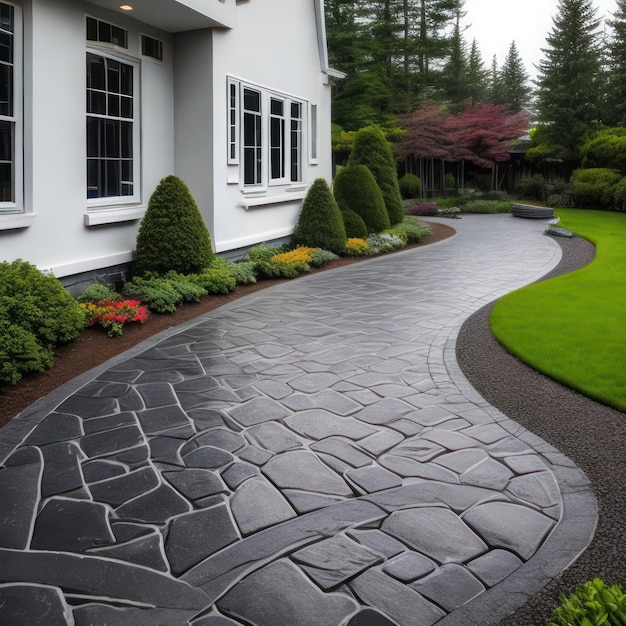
x=310 y=454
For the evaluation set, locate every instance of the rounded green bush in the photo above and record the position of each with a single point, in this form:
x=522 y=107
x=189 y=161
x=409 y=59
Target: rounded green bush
x=355 y=189
x=354 y=224
x=36 y=314
x=593 y=188
x=172 y=235
x=411 y=186
x=371 y=148
x=320 y=224
x=606 y=149
x=619 y=195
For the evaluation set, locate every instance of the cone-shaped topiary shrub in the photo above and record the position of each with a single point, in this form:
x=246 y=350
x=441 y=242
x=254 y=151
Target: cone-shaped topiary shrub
x=320 y=224
x=356 y=189
x=354 y=224
x=172 y=235
x=371 y=148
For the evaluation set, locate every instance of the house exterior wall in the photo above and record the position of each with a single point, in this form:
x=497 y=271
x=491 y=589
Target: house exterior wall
x=183 y=120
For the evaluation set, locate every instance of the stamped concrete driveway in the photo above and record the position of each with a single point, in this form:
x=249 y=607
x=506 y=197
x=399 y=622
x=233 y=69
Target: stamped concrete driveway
x=310 y=454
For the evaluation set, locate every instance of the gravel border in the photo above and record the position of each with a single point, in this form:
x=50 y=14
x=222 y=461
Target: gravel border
x=589 y=433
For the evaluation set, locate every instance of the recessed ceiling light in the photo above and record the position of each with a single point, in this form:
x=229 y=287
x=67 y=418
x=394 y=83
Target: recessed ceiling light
x=126 y=7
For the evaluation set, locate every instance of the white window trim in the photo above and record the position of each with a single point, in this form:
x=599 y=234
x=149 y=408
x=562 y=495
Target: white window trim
x=233 y=125
x=313 y=133
x=16 y=207
x=267 y=94
x=121 y=201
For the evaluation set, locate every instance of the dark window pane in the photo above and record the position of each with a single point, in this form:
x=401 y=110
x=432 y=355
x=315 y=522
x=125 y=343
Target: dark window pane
x=104 y=32
x=6 y=89
x=113 y=76
x=6 y=47
x=127 y=171
x=112 y=137
x=126 y=108
x=92 y=29
x=295 y=110
x=112 y=178
x=126 y=132
x=251 y=100
x=126 y=79
x=114 y=105
x=93 y=189
x=277 y=107
x=249 y=129
x=6 y=182
x=96 y=72
x=7 y=21
x=127 y=189
x=96 y=102
x=118 y=37
x=248 y=166
x=93 y=136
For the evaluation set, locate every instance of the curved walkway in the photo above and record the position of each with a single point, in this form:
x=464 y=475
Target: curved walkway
x=310 y=454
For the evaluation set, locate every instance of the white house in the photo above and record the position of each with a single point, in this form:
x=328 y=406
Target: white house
x=100 y=100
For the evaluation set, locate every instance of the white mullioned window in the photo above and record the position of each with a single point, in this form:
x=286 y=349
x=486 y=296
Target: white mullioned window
x=10 y=109
x=112 y=129
x=265 y=135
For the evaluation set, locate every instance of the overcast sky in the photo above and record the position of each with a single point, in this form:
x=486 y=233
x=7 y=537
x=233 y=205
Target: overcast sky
x=496 y=23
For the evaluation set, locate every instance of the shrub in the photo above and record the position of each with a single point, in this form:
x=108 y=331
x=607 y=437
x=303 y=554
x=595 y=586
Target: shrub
x=216 y=280
x=486 y=206
x=372 y=149
x=425 y=208
x=97 y=292
x=531 y=187
x=594 y=187
x=411 y=230
x=172 y=234
x=619 y=195
x=356 y=189
x=591 y=604
x=357 y=247
x=561 y=201
x=113 y=314
x=354 y=224
x=320 y=224
x=36 y=314
x=321 y=257
x=385 y=242
x=163 y=294
x=244 y=273
x=411 y=186
x=607 y=148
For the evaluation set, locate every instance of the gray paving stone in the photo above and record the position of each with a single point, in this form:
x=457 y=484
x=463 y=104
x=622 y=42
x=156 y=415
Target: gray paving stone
x=86 y=407
x=328 y=399
x=116 y=491
x=303 y=470
x=418 y=449
x=220 y=438
x=318 y=424
x=55 y=526
x=370 y=617
x=450 y=586
x=208 y=457
x=196 y=483
x=146 y=550
x=255 y=455
x=405 y=427
x=383 y=412
x=133 y=457
x=461 y=460
x=54 y=428
x=19 y=494
x=257 y=504
x=525 y=464
x=343 y=450
x=198 y=534
x=27 y=604
x=493 y=521
x=488 y=473
x=257 y=411
x=111 y=441
x=431 y=415
x=494 y=567
x=373 y=478
x=334 y=561
x=110 y=422
x=61 y=470
x=435 y=532
x=274 y=437
x=311 y=383
x=160 y=419
x=539 y=488
x=305 y=501
x=449 y=439
x=381 y=441
x=94 y=613
x=304 y=605
x=273 y=389
x=379 y=541
x=237 y=473
x=155 y=507
x=401 y=603
x=409 y=566
x=166 y=450
x=407 y=468
x=214 y=620
x=156 y=395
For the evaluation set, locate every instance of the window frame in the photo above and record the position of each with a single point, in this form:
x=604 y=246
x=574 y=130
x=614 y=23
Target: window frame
x=135 y=197
x=16 y=204
x=286 y=145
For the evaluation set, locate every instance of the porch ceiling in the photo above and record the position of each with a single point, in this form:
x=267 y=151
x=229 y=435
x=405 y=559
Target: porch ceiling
x=176 y=15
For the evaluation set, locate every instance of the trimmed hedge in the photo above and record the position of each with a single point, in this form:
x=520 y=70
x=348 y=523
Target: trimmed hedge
x=594 y=188
x=172 y=234
x=411 y=186
x=372 y=149
x=355 y=189
x=354 y=224
x=320 y=224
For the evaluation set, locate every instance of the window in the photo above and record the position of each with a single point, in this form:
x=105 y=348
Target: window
x=10 y=105
x=111 y=128
x=272 y=135
x=314 y=132
x=151 y=47
x=106 y=33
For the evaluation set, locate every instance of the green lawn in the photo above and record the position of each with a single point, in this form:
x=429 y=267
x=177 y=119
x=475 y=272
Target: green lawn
x=573 y=328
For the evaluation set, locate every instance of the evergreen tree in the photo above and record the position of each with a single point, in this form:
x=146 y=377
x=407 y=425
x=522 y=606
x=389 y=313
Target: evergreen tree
x=477 y=86
x=513 y=86
x=494 y=80
x=455 y=72
x=615 y=112
x=570 y=79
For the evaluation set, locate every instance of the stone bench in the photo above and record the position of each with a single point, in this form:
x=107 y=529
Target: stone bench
x=531 y=212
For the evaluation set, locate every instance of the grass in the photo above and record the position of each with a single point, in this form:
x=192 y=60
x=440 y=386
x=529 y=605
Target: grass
x=573 y=328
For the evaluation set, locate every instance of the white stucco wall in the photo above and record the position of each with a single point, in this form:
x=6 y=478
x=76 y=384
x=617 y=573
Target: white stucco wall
x=54 y=144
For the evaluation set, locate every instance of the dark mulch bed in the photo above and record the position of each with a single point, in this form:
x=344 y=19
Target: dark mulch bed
x=591 y=434
x=94 y=347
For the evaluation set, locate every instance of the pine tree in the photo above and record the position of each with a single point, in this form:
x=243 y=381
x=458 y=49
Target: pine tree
x=513 y=86
x=477 y=86
x=615 y=112
x=570 y=79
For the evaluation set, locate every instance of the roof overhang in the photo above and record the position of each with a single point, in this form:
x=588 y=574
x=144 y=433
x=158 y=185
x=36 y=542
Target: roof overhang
x=176 y=16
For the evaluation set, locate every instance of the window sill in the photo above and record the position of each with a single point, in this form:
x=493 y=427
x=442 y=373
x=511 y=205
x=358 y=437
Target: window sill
x=113 y=216
x=250 y=203
x=9 y=221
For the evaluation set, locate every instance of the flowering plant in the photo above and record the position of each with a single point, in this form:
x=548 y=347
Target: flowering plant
x=425 y=208
x=113 y=314
x=357 y=247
